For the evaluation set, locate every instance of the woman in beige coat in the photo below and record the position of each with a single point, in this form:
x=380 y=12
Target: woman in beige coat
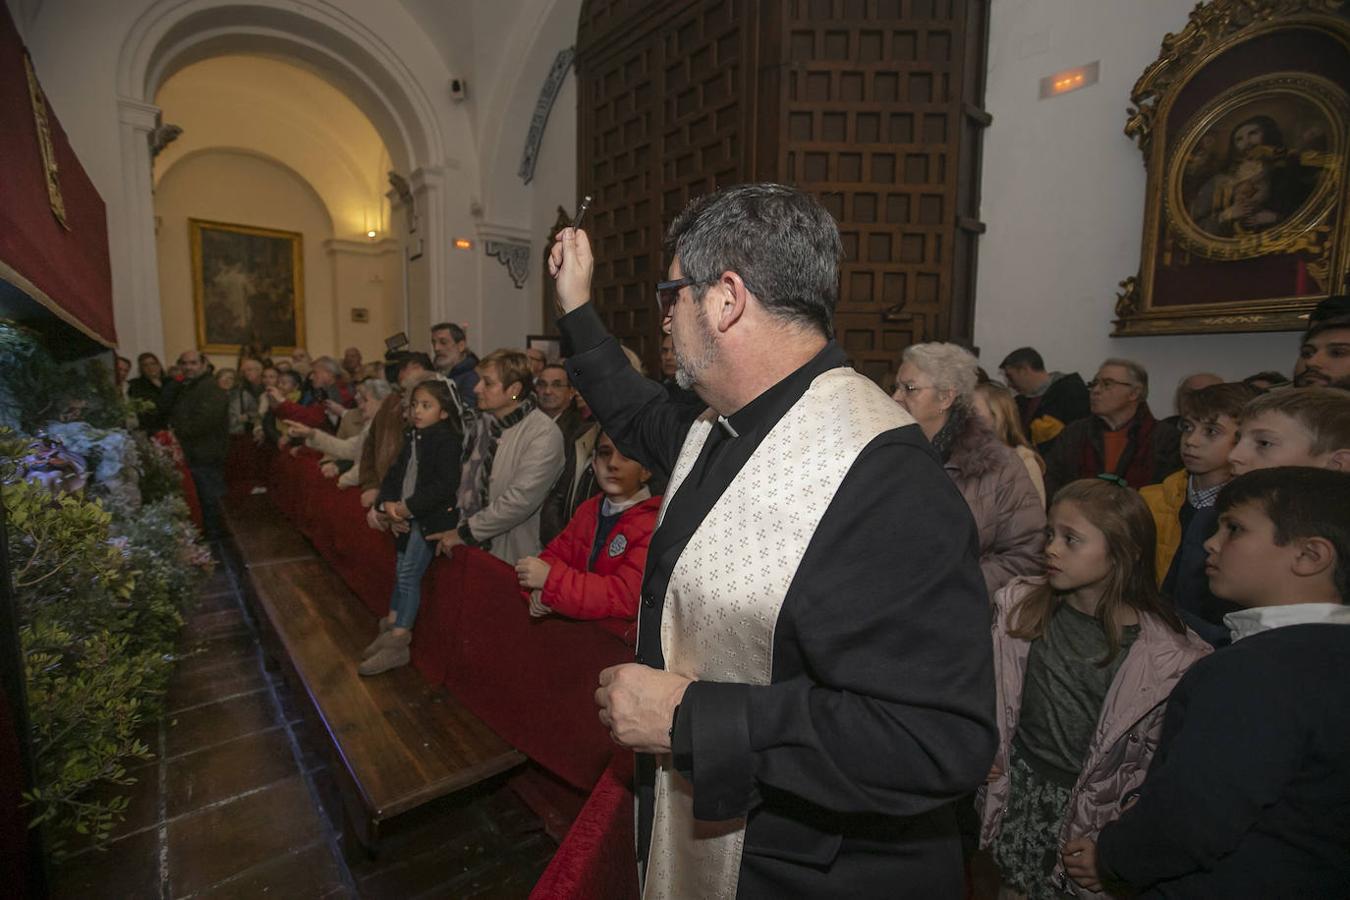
x=936 y=383
x=513 y=455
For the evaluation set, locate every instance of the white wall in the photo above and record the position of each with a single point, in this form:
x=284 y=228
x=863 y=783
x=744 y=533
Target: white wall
x=1063 y=196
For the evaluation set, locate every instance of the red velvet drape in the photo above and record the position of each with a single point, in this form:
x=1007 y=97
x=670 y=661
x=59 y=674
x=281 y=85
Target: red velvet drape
x=68 y=266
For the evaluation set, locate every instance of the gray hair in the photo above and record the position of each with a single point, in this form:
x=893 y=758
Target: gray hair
x=328 y=364
x=782 y=243
x=377 y=388
x=952 y=367
x=1138 y=374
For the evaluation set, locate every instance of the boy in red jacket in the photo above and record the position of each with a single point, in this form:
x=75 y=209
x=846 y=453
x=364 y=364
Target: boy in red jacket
x=593 y=569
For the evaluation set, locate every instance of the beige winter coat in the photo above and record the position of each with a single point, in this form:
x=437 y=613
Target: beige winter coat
x=528 y=459
x=1127 y=730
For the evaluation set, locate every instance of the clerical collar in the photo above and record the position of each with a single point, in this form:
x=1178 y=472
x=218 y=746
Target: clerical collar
x=764 y=411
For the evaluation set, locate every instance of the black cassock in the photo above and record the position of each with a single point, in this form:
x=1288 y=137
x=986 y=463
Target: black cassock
x=880 y=710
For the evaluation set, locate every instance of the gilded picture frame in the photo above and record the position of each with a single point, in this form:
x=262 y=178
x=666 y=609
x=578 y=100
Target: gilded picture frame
x=1243 y=125
x=248 y=287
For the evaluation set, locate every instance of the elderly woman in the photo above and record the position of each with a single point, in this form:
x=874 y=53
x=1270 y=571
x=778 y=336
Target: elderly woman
x=346 y=445
x=513 y=455
x=936 y=384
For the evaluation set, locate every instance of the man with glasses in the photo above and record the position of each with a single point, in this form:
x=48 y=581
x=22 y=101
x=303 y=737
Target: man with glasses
x=813 y=685
x=1120 y=438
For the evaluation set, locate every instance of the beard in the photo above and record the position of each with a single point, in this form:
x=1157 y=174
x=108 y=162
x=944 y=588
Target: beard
x=690 y=365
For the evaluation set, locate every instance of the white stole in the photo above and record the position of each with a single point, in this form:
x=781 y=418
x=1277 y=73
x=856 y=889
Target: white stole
x=721 y=605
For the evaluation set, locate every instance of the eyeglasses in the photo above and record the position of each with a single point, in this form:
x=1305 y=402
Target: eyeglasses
x=1107 y=383
x=541 y=383
x=912 y=388
x=668 y=293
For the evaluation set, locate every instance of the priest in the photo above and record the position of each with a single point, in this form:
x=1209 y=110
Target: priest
x=813 y=686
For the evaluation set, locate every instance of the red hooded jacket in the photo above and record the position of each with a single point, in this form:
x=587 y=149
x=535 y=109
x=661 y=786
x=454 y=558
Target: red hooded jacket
x=610 y=592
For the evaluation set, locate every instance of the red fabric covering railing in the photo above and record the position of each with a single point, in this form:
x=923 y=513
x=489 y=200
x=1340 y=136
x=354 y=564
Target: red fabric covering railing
x=530 y=680
x=596 y=859
x=166 y=439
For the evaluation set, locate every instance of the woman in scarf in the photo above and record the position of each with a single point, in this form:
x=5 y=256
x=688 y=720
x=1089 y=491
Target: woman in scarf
x=936 y=384
x=512 y=456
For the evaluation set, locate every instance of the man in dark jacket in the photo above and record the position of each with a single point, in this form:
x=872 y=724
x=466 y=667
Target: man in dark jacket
x=1120 y=438
x=1048 y=401
x=454 y=359
x=813 y=685
x=201 y=422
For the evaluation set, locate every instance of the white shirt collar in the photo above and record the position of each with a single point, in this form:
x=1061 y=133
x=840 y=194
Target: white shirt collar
x=1247 y=622
x=608 y=507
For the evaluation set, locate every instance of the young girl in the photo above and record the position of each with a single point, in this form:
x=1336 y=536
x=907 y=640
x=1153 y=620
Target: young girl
x=593 y=569
x=1084 y=660
x=995 y=407
x=416 y=499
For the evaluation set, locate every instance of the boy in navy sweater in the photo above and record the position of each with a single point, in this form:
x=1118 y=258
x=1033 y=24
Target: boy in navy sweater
x=1248 y=792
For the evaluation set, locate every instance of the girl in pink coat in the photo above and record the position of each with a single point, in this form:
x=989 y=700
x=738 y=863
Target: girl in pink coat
x=1085 y=659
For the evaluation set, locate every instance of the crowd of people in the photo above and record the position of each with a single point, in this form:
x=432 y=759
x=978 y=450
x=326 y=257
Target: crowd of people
x=1159 y=706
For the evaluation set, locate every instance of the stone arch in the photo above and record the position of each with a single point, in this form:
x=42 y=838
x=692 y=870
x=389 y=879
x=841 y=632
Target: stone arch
x=170 y=36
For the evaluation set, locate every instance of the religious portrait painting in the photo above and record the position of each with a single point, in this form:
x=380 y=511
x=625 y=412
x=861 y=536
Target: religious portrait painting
x=1260 y=161
x=1243 y=122
x=247 y=286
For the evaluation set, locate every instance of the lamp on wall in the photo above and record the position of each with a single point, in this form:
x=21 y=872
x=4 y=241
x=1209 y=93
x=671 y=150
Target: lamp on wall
x=371 y=234
x=1070 y=80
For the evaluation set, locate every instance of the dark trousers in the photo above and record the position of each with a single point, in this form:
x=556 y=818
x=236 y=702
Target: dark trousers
x=210 y=483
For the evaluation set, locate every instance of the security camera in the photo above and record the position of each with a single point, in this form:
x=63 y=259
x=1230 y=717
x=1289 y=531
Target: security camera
x=459 y=90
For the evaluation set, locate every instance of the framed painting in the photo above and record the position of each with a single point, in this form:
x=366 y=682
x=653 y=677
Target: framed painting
x=1243 y=124
x=551 y=344
x=248 y=287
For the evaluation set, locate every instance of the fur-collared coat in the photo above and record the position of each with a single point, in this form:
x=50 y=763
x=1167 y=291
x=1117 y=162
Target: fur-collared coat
x=1006 y=505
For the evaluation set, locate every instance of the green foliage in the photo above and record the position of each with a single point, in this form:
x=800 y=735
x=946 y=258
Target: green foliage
x=98 y=593
x=35 y=389
x=159 y=476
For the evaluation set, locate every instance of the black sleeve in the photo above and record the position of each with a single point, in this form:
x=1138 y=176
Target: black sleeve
x=1230 y=744
x=636 y=412
x=437 y=477
x=887 y=626
x=392 y=486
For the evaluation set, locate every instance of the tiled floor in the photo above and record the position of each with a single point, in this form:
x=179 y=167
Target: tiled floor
x=240 y=801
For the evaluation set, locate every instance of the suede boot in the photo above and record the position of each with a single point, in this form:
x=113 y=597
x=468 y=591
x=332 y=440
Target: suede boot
x=392 y=653
x=375 y=645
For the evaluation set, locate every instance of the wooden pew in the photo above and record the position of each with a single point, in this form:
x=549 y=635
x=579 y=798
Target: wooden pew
x=397 y=741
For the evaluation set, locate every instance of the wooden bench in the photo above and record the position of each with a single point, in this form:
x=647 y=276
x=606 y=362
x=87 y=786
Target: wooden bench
x=398 y=742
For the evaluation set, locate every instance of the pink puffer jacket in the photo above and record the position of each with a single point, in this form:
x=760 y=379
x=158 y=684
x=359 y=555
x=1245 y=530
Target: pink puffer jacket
x=1127 y=730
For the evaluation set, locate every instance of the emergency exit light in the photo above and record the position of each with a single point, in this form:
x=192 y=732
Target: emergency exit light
x=1070 y=80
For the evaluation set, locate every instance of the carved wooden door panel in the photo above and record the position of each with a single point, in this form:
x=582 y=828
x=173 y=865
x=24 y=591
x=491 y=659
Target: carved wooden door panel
x=871 y=105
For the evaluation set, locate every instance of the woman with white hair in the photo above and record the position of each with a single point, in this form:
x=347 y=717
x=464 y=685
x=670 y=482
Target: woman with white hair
x=936 y=384
x=340 y=447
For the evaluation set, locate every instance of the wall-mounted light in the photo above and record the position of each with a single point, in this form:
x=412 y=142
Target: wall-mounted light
x=463 y=244
x=1070 y=80
x=371 y=234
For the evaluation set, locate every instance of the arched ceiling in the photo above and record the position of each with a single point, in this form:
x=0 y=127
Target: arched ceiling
x=288 y=114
